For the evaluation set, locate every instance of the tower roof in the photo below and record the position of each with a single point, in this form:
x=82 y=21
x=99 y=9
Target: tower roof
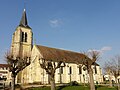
x=23 y=21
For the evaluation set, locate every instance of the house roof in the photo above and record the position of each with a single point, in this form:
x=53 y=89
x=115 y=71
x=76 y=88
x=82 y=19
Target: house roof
x=56 y=55
x=4 y=65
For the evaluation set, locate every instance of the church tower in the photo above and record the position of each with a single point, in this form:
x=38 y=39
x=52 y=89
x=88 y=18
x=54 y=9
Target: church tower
x=22 y=39
x=22 y=43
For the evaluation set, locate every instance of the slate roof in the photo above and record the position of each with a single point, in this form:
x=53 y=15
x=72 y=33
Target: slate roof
x=54 y=54
x=23 y=21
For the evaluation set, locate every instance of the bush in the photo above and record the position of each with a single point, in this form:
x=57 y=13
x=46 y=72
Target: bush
x=74 y=83
x=37 y=83
x=1 y=83
x=17 y=85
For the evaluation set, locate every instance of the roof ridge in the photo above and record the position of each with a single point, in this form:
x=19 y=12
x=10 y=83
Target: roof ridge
x=56 y=54
x=59 y=49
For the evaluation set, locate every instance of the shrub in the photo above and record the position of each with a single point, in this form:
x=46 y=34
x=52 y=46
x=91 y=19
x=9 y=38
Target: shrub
x=74 y=83
x=37 y=83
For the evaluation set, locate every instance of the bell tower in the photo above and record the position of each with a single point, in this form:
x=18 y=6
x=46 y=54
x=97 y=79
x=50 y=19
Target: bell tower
x=22 y=43
x=22 y=39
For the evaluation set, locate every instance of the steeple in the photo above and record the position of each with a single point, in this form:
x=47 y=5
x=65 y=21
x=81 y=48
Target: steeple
x=23 y=21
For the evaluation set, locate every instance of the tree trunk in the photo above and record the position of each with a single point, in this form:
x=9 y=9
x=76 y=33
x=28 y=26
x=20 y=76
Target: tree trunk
x=117 y=83
x=110 y=80
x=52 y=82
x=60 y=78
x=84 y=79
x=48 y=79
x=70 y=78
x=80 y=78
x=92 y=85
x=13 y=81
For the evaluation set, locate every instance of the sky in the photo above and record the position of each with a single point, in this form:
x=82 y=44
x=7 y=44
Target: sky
x=76 y=25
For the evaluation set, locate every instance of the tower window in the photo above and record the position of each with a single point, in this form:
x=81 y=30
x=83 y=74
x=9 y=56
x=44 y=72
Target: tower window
x=25 y=37
x=22 y=37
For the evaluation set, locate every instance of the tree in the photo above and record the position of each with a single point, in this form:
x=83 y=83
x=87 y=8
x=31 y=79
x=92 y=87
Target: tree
x=115 y=68
x=88 y=62
x=107 y=68
x=50 y=67
x=16 y=64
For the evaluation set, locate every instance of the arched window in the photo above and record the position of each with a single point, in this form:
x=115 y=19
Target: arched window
x=25 y=37
x=70 y=70
x=80 y=70
x=95 y=69
x=61 y=70
x=22 y=37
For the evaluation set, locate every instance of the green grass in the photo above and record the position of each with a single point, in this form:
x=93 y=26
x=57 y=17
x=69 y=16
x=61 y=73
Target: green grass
x=74 y=88
x=106 y=88
x=41 y=88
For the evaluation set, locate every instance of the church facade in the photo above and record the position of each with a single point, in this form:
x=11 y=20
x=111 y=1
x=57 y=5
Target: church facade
x=22 y=44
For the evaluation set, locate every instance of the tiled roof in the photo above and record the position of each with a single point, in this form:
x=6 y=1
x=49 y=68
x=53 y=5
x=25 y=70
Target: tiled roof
x=61 y=55
x=4 y=65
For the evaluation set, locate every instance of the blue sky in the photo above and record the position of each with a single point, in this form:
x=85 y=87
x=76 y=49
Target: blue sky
x=77 y=25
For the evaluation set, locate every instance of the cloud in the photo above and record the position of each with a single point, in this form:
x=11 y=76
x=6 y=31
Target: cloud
x=55 y=22
x=102 y=50
x=93 y=50
x=106 y=49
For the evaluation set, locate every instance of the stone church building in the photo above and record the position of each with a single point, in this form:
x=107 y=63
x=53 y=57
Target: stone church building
x=22 y=44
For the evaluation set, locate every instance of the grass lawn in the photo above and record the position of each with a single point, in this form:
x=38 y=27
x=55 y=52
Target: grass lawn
x=106 y=88
x=73 y=88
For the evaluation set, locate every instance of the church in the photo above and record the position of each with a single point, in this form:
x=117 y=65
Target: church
x=22 y=44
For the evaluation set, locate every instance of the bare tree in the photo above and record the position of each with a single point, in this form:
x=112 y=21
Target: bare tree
x=50 y=67
x=108 y=71
x=88 y=62
x=115 y=67
x=16 y=64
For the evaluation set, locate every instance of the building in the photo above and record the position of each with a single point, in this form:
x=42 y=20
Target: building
x=22 y=44
x=107 y=78
x=5 y=75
